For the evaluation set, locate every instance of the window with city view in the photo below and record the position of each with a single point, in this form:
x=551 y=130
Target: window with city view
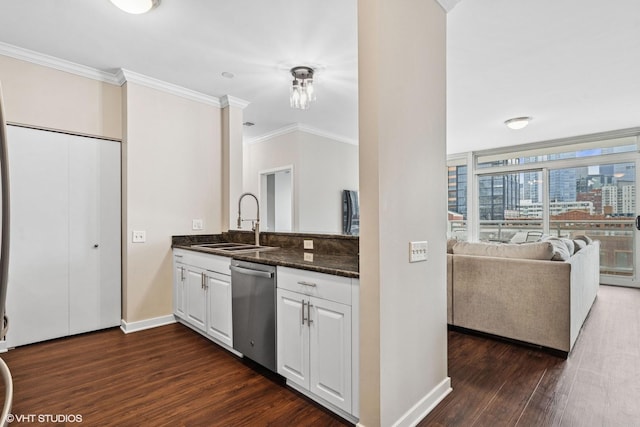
x=585 y=194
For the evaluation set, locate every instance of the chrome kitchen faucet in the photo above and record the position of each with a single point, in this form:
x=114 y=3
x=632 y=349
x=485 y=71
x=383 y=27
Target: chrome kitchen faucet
x=256 y=224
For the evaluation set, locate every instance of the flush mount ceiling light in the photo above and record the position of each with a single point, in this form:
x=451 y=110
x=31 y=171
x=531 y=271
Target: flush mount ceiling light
x=302 y=91
x=136 y=7
x=517 y=122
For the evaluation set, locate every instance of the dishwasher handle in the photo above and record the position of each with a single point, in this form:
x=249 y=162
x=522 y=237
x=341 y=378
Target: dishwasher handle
x=250 y=272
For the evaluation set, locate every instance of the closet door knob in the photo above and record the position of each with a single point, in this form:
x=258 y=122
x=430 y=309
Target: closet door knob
x=95 y=246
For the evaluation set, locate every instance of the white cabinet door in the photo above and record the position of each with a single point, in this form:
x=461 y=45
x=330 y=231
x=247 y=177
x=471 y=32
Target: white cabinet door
x=330 y=352
x=196 y=298
x=293 y=338
x=179 y=308
x=94 y=237
x=218 y=287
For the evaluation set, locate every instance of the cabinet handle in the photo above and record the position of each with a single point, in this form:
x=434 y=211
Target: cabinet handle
x=313 y=285
x=182 y=274
x=302 y=312
x=202 y=280
x=309 y=321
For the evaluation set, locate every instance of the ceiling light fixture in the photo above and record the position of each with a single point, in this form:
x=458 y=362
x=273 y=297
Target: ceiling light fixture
x=517 y=122
x=302 y=91
x=136 y=7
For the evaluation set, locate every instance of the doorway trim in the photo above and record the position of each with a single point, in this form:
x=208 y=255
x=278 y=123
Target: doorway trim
x=262 y=174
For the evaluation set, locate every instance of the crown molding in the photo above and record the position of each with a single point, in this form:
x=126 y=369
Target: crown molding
x=56 y=63
x=150 y=82
x=302 y=128
x=448 y=5
x=119 y=78
x=232 y=101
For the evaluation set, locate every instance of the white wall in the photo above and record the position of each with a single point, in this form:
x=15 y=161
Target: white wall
x=322 y=168
x=403 y=344
x=171 y=175
x=43 y=97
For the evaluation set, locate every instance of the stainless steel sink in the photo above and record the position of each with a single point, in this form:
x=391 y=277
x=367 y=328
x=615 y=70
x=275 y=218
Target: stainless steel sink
x=229 y=247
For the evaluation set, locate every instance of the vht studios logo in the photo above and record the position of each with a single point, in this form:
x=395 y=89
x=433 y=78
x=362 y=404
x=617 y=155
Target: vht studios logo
x=44 y=418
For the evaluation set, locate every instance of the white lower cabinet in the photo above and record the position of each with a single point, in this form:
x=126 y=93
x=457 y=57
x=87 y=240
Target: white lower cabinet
x=315 y=336
x=293 y=337
x=202 y=294
x=196 y=297
x=218 y=288
x=179 y=278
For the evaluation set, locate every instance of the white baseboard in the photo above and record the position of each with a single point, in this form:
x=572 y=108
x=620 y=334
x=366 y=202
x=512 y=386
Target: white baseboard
x=420 y=410
x=141 y=325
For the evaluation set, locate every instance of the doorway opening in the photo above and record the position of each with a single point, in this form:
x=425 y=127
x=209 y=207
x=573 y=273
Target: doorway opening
x=276 y=199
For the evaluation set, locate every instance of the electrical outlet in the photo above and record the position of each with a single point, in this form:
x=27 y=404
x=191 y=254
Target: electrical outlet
x=308 y=244
x=418 y=251
x=139 y=236
x=197 y=224
x=308 y=257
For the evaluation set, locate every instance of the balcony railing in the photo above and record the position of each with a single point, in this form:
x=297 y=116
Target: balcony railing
x=616 y=236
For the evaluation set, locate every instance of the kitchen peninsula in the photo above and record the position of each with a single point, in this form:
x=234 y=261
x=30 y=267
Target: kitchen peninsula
x=290 y=305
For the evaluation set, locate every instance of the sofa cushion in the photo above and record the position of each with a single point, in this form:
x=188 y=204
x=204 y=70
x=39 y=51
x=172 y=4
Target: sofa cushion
x=537 y=250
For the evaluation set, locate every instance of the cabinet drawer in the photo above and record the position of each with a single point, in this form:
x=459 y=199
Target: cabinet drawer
x=215 y=263
x=326 y=286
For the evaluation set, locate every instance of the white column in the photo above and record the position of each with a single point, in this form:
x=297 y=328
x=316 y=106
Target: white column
x=403 y=188
x=231 y=159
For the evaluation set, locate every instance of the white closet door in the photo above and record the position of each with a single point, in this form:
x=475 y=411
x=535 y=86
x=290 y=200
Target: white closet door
x=110 y=235
x=94 y=238
x=37 y=294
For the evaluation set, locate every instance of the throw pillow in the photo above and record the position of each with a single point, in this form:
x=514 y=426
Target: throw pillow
x=560 y=249
x=579 y=244
x=450 y=244
x=584 y=237
x=571 y=247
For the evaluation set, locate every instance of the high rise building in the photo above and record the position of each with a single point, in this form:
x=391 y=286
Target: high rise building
x=610 y=199
x=497 y=194
x=457 y=186
x=628 y=200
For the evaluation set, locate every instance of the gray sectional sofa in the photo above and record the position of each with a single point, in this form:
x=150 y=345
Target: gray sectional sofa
x=538 y=293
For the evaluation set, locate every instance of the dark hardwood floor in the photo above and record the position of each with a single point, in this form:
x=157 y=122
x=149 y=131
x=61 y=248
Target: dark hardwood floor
x=501 y=384
x=167 y=376
x=173 y=376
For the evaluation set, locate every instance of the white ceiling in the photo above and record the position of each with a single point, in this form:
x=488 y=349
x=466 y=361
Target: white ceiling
x=191 y=42
x=574 y=65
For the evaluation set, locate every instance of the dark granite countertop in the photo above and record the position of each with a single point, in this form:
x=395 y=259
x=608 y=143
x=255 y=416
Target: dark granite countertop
x=339 y=265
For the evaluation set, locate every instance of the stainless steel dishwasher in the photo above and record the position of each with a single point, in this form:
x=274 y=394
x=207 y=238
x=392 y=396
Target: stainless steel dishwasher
x=253 y=290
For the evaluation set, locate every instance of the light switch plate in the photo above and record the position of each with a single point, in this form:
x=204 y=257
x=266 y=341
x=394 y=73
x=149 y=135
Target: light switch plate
x=308 y=244
x=139 y=236
x=308 y=257
x=418 y=251
x=197 y=224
